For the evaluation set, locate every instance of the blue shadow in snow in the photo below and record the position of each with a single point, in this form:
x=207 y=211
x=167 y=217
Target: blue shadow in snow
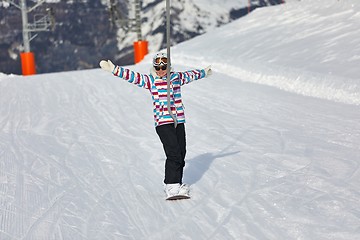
x=197 y=166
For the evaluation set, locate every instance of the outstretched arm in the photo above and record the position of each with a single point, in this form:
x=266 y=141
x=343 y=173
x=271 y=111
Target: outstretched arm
x=192 y=75
x=140 y=80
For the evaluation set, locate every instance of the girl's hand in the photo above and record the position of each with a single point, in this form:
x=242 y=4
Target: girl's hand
x=208 y=71
x=107 y=65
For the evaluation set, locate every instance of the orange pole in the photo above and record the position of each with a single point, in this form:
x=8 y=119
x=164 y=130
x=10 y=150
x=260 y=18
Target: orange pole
x=28 y=63
x=140 y=50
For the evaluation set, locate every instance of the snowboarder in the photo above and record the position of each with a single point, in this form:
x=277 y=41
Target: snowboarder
x=171 y=134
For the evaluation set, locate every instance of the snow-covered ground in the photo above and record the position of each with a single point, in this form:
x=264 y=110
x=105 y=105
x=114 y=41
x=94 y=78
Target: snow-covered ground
x=273 y=139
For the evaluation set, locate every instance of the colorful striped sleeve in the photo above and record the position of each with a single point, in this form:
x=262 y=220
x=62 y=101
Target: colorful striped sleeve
x=189 y=76
x=138 y=79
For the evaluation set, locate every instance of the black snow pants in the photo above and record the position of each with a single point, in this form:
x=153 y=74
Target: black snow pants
x=174 y=143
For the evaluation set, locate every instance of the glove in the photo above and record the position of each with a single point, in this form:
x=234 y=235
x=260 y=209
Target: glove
x=107 y=65
x=208 y=71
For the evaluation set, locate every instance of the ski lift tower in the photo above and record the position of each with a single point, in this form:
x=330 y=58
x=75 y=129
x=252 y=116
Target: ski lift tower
x=140 y=46
x=130 y=24
x=41 y=23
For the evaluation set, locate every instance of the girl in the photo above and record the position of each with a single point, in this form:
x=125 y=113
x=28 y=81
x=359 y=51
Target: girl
x=170 y=132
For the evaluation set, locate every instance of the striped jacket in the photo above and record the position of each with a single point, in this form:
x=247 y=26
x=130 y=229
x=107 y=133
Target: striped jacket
x=158 y=90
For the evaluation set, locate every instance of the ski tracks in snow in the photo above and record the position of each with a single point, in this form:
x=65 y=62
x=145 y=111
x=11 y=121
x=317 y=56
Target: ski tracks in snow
x=80 y=160
x=296 y=161
x=52 y=181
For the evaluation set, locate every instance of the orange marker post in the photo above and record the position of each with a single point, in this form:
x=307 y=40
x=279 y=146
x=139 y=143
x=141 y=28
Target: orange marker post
x=28 y=63
x=140 y=50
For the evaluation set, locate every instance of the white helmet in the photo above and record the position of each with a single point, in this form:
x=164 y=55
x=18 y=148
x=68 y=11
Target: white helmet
x=160 y=59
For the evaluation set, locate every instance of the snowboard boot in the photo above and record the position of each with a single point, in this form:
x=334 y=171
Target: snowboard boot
x=184 y=190
x=172 y=190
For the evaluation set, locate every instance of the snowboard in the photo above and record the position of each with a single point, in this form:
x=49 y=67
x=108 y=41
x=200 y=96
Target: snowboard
x=178 y=197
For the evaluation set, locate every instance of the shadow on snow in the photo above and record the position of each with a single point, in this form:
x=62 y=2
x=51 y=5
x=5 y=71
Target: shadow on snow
x=197 y=166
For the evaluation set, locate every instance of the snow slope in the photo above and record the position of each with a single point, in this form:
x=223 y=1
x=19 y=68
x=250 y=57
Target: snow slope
x=301 y=47
x=272 y=154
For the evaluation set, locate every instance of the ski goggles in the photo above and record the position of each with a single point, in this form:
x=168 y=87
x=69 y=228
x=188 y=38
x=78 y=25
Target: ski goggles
x=162 y=67
x=160 y=61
